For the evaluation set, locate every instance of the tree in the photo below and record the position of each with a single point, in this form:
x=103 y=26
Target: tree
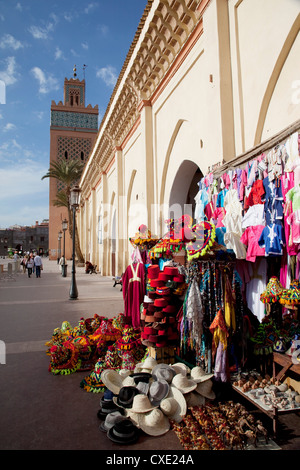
x=68 y=173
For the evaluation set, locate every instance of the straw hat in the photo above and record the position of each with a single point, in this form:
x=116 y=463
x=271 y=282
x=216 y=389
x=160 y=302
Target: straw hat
x=154 y=423
x=146 y=365
x=170 y=407
x=194 y=399
x=141 y=404
x=199 y=375
x=205 y=389
x=110 y=420
x=129 y=381
x=112 y=380
x=125 y=372
x=181 y=368
x=184 y=384
x=163 y=372
x=158 y=390
x=180 y=398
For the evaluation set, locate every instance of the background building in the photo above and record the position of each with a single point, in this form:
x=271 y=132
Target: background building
x=25 y=239
x=73 y=130
x=204 y=82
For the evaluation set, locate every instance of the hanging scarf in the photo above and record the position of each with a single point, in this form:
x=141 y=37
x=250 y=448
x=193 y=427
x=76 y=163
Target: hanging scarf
x=218 y=330
x=229 y=305
x=195 y=313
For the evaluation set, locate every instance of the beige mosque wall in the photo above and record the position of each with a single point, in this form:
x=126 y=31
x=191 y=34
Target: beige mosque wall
x=262 y=34
x=229 y=91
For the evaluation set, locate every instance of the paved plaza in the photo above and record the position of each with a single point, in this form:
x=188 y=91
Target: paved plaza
x=40 y=411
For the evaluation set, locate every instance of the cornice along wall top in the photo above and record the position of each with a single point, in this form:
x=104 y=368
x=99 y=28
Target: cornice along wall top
x=157 y=43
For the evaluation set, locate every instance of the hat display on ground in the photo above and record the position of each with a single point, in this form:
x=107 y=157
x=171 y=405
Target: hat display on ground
x=163 y=372
x=112 y=380
x=181 y=401
x=184 y=384
x=205 y=389
x=170 y=407
x=125 y=397
x=158 y=390
x=148 y=364
x=141 y=404
x=199 y=375
x=181 y=368
x=123 y=432
x=194 y=399
x=110 y=420
x=154 y=423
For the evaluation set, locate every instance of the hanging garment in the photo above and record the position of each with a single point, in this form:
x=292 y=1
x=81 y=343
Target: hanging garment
x=133 y=292
x=272 y=239
x=195 y=313
x=256 y=286
x=255 y=215
x=250 y=239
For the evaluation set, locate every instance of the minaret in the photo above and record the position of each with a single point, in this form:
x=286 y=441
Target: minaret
x=73 y=130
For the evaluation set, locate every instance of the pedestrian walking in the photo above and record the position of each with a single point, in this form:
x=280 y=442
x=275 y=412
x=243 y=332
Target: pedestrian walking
x=38 y=265
x=23 y=263
x=30 y=265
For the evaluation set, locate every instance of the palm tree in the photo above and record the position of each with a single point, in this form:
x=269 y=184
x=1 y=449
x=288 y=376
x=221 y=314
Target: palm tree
x=68 y=173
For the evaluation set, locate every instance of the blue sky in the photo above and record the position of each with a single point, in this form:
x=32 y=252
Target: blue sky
x=40 y=42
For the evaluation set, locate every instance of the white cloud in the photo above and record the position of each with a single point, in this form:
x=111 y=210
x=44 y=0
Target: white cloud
x=47 y=82
x=8 y=41
x=19 y=6
x=85 y=45
x=90 y=7
x=9 y=127
x=42 y=32
x=9 y=75
x=108 y=75
x=59 y=54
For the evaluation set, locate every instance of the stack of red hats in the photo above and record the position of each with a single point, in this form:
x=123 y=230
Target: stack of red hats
x=159 y=323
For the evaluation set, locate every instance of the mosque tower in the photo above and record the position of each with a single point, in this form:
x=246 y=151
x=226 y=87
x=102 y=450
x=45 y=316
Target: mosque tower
x=73 y=130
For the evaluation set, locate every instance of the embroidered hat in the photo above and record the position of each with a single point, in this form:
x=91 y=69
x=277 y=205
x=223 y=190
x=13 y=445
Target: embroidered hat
x=199 y=375
x=123 y=432
x=110 y=420
x=126 y=396
x=154 y=423
x=158 y=390
x=205 y=389
x=142 y=404
x=184 y=384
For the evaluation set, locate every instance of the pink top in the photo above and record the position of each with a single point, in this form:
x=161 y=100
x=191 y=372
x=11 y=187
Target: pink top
x=294 y=221
x=250 y=238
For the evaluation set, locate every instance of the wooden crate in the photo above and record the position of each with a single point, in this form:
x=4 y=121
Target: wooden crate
x=163 y=355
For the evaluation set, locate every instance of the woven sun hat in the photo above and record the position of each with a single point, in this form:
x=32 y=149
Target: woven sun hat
x=163 y=372
x=142 y=404
x=112 y=380
x=154 y=423
x=205 y=389
x=125 y=397
x=181 y=368
x=170 y=408
x=199 y=375
x=179 y=397
x=158 y=390
x=110 y=420
x=123 y=432
x=194 y=399
x=184 y=384
x=129 y=381
x=125 y=372
x=148 y=364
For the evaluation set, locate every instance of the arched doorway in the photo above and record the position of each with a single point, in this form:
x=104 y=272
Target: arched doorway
x=184 y=189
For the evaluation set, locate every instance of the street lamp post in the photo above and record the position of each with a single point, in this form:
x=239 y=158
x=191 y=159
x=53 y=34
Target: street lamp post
x=59 y=246
x=74 y=203
x=64 y=228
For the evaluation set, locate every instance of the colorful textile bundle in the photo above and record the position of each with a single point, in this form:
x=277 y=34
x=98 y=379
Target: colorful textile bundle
x=291 y=296
x=273 y=291
x=205 y=233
